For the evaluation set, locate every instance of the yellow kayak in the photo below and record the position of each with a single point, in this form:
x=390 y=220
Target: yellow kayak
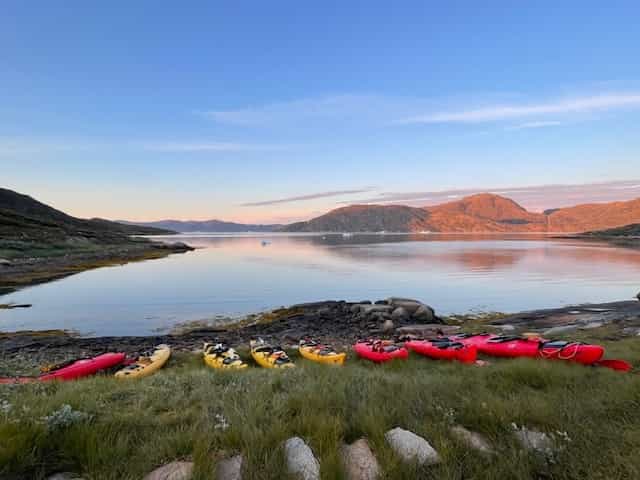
x=268 y=356
x=320 y=353
x=146 y=364
x=222 y=357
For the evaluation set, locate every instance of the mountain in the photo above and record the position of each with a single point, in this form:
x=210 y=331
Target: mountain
x=18 y=211
x=218 y=226
x=483 y=212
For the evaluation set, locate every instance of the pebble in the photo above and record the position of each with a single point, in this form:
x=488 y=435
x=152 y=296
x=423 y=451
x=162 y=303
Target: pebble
x=301 y=462
x=411 y=447
x=359 y=462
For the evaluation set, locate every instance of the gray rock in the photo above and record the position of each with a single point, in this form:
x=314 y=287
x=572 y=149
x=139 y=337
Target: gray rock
x=355 y=308
x=409 y=305
x=427 y=329
x=400 y=313
x=535 y=441
x=472 y=439
x=229 y=468
x=392 y=300
x=424 y=313
x=369 y=309
x=301 y=463
x=388 y=325
x=638 y=295
x=358 y=461
x=560 y=329
x=380 y=302
x=172 y=471
x=411 y=447
x=4 y=262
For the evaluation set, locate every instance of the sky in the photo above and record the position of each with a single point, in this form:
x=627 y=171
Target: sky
x=280 y=111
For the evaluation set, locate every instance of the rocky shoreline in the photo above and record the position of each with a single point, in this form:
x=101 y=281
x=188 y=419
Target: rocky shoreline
x=336 y=322
x=22 y=272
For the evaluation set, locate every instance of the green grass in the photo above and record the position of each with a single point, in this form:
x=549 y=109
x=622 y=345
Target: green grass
x=138 y=425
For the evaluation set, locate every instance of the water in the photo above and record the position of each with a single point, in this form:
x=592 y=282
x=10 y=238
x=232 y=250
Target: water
x=239 y=274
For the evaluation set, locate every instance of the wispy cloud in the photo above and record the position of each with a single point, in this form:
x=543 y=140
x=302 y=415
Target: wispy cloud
x=536 y=197
x=539 y=124
x=209 y=146
x=304 y=198
x=586 y=104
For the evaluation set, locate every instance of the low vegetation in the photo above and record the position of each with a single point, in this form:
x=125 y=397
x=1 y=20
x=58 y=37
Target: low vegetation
x=108 y=429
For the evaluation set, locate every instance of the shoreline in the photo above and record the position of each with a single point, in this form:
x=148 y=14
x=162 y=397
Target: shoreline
x=340 y=323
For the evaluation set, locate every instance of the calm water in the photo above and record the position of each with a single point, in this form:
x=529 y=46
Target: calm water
x=234 y=275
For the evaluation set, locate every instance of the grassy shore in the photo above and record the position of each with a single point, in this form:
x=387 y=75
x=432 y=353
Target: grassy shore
x=134 y=426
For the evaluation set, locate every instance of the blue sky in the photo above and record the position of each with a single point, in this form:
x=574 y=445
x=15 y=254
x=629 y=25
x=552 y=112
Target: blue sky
x=276 y=111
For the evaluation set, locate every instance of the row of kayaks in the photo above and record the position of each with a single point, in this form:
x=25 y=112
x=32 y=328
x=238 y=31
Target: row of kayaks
x=462 y=348
x=466 y=347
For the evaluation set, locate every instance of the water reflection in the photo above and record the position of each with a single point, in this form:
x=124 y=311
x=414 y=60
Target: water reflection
x=240 y=274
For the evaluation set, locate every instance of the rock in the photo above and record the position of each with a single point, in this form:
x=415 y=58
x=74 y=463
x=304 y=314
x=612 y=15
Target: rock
x=388 y=325
x=369 y=309
x=172 y=471
x=358 y=461
x=424 y=313
x=301 y=463
x=411 y=306
x=355 y=308
x=381 y=302
x=229 y=468
x=535 y=441
x=4 y=262
x=65 y=476
x=638 y=295
x=428 y=329
x=365 y=302
x=560 y=329
x=400 y=314
x=504 y=328
x=591 y=325
x=472 y=439
x=411 y=447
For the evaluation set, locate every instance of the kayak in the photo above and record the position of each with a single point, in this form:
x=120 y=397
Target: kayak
x=514 y=346
x=269 y=356
x=146 y=365
x=380 y=351
x=73 y=369
x=320 y=353
x=221 y=356
x=444 y=349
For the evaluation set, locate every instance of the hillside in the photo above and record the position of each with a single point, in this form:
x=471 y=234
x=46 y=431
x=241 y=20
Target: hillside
x=39 y=243
x=632 y=230
x=477 y=213
x=215 y=226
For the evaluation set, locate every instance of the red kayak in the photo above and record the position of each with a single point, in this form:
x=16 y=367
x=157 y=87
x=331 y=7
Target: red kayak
x=73 y=370
x=513 y=346
x=380 y=351
x=444 y=349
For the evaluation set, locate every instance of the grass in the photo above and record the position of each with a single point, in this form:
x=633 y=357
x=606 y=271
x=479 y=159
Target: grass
x=137 y=425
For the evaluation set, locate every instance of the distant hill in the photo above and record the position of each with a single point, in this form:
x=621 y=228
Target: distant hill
x=214 y=226
x=483 y=212
x=632 y=230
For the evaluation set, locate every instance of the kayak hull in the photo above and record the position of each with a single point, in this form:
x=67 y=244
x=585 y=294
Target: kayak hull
x=365 y=350
x=461 y=353
x=269 y=357
x=228 y=360
x=313 y=354
x=146 y=366
x=78 y=369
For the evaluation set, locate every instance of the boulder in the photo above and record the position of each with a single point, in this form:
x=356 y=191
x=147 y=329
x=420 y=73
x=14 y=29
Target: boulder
x=407 y=303
x=301 y=463
x=400 y=314
x=358 y=461
x=472 y=439
x=387 y=325
x=638 y=295
x=380 y=302
x=369 y=309
x=535 y=441
x=4 y=262
x=424 y=313
x=411 y=447
x=229 y=468
x=428 y=330
x=172 y=471
x=355 y=308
